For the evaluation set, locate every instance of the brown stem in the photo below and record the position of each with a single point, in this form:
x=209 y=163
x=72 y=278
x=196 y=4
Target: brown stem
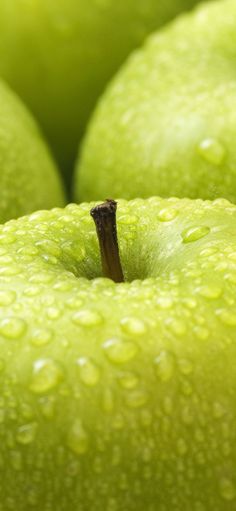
x=104 y=216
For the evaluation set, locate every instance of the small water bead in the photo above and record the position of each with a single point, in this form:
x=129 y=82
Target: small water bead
x=167 y=214
x=26 y=434
x=89 y=372
x=7 y=239
x=47 y=374
x=7 y=297
x=194 y=233
x=41 y=337
x=42 y=278
x=15 y=458
x=12 y=327
x=201 y=333
x=120 y=351
x=165 y=302
x=185 y=366
x=87 y=318
x=165 y=366
x=133 y=326
x=78 y=439
x=218 y=410
x=128 y=219
x=53 y=313
x=32 y=291
x=49 y=247
x=177 y=326
x=136 y=398
x=227 y=489
x=182 y=447
x=212 y=151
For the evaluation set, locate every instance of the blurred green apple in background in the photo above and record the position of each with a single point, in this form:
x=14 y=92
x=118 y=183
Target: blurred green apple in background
x=119 y=397
x=59 y=54
x=167 y=123
x=29 y=179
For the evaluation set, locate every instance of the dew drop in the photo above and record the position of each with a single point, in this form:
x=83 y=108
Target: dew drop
x=185 y=366
x=128 y=219
x=47 y=406
x=7 y=298
x=210 y=291
x=165 y=302
x=167 y=214
x=227 y=489
x=136 y=398
x=218 y=410
x=119 y=351
x=89 y=372
x=47 y=374
x=194 y=233
x=87 y=318
x=16 y=460
x=227 y=317
x=128 y=380
x=201 y=333
x=26 y=434
x=133 y=326
x=10 y=271
x=212 y=151
x=41 y=337
x=177 y=326
x=77 y=439
x=12 y=327
x=53 y=313
x=165 y=366
x=182 y=447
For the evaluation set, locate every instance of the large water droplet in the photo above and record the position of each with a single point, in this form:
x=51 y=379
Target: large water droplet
x=227 y=316
x=119 y=351
x=128 y=380
x=165 y=365
x=89 y=372
x=210 y=291
x=12 y=327
x=77 y=439
x=212 y=151
x=194 y=233
x=26 y=434
x=136 y=398
x=47 y=374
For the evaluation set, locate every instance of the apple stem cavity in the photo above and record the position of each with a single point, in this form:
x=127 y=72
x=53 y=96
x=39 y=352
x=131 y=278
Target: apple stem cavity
x=104 y=216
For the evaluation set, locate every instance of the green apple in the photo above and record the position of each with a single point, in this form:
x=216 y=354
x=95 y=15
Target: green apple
x=167 y=124
x=29 y=179
x=59 y=54
x=119 y=397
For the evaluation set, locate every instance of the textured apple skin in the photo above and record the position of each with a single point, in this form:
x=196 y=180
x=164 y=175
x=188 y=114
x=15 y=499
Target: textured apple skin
x=119 y=396
x=59 y=54
x=29 y=179
x=167 y=123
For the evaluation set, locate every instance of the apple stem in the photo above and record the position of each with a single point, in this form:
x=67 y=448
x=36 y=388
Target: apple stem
x=104 y=216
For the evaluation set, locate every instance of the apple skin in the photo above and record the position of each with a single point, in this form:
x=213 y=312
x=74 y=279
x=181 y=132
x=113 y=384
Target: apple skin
x=29 y=179
x=119 y=396
x=166 y=124
x=59 y=54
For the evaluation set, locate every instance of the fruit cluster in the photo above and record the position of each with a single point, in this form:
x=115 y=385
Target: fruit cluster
x=117 y=340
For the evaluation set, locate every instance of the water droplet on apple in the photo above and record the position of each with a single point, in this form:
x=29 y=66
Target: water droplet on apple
x=49 y=247
x=128 y=380
x=128 y=219
x=165 y=365
x=182 y=447
x=26 y=434
x=47 y=406
x=120 y=351
x=10 y=271
x=77 y=439
x=32 y=291
x=177 y=326
x=7 y=297
x=194 y=233
x=12 y=327
x=15 y=459
x=212 y=151
x=218 y=410
x=53 y=313
x=167 y=215
x=227 y=489
x=185 y=366
x=210 y=291
x=87 y=318
x=165 y=302
x=136 y=398
x=42 y=278
x=7 y=239
x=41 y=337
x=201 y=333
x=47 y=374
x=89 y=372
x=227 y=316
x=133 y=326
